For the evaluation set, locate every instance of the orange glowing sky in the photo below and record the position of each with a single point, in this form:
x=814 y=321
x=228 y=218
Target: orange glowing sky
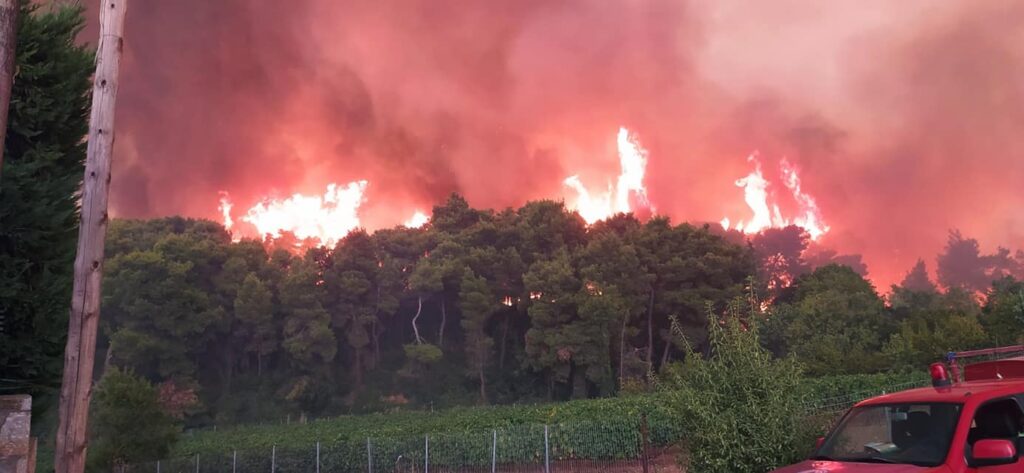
x=903 y=119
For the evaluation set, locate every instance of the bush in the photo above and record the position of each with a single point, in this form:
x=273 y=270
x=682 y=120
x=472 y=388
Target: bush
x=741 y=408
x=128 y=424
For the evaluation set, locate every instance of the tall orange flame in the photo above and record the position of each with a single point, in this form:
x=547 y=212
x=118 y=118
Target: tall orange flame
x=767 y=213
x=620 y=196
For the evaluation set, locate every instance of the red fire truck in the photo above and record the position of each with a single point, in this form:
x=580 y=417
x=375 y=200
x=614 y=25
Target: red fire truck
x=969 y=421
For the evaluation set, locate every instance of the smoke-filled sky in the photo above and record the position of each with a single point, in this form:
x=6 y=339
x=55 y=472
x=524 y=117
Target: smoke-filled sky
x=905 y=119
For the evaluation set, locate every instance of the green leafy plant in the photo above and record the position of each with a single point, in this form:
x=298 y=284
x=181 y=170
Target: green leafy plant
x=740 y=407
x=128 y=424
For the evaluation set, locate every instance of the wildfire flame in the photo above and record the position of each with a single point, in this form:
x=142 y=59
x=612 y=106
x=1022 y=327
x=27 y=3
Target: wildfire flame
x=325 y=218
x=225 y=210
x=619 y=197
x=417 y=220
x=767 y=213
x=810 y=215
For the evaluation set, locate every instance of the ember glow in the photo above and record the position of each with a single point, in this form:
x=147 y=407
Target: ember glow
x=625 y=195
x=762 y=202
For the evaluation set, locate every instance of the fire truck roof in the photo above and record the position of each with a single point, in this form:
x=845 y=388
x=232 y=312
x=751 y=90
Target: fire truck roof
x=958 y=393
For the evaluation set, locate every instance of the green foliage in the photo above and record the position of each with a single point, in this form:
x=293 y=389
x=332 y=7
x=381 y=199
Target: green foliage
x=127 y=423
x=590 y=429
x=423 y=353
x=921 y=341
x=42 y=169
x=307 y=335
x=1003 y=314
x=832 y=321
x=837 y=392
x=255 y=312
x=464 y=421
x=477 y=304
x=741 y=409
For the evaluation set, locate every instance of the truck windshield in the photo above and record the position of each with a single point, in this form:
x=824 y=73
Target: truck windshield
x=917 y=434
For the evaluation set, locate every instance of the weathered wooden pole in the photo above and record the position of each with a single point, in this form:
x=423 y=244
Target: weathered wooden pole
x=80 y=352
x=8 y=40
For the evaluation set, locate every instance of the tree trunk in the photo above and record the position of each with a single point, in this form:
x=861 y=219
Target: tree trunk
x=650 y=330
x=480 y=359
x=108 y=359
x=229 y=367
x=79 y=354
x=376 y=342
x=622 y=348
x=664 y=354
x=357 y=371
x=373 y=330
x=415 y=329
x=504 y=336
x=444 y=320
x=8 y=43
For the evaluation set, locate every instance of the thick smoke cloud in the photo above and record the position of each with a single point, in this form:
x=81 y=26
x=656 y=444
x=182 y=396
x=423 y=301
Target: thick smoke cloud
x=903 y=117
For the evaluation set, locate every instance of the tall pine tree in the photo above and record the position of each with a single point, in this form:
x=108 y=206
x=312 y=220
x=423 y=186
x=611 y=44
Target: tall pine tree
x=43 y=165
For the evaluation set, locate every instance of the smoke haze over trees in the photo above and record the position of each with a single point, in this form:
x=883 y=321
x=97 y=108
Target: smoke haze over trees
x=903 y=117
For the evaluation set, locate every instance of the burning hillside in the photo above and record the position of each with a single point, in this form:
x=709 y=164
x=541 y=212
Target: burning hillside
x=879 y=127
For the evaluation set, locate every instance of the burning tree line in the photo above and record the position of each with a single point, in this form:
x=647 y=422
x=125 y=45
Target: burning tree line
x=485 y=306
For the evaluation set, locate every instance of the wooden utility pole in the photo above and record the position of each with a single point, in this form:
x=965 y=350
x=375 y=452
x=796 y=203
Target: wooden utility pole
x=8 y=39
x=80 y=352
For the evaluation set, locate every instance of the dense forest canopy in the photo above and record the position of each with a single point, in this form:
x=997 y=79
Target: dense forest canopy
x=484 y=306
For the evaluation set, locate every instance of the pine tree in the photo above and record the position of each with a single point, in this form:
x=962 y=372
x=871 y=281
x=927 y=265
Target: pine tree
x=43 y=165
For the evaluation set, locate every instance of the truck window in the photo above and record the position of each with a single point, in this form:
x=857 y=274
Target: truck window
x=1000 y=419
x=915 y=434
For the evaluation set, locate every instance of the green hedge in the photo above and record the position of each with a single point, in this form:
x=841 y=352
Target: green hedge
x=840 y=392
x=587 y=429
x=611 y=411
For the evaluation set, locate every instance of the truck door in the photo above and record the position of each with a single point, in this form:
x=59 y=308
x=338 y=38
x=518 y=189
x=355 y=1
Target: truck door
x=998 y=419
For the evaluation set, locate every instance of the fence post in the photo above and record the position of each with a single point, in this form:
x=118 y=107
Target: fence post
x=197 y=463
x=547 y=450
x=369 y=456
x=644 y=443
x=494 y=452
x=426 y=453
x=234 y=460
x=158 y=466
x=273 y=458
x=318 y=456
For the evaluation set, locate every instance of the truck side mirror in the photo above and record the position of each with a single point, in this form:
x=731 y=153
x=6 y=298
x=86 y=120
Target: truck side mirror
x=992 y=452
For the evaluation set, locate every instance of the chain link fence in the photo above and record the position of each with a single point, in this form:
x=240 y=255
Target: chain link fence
x=576 y=447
